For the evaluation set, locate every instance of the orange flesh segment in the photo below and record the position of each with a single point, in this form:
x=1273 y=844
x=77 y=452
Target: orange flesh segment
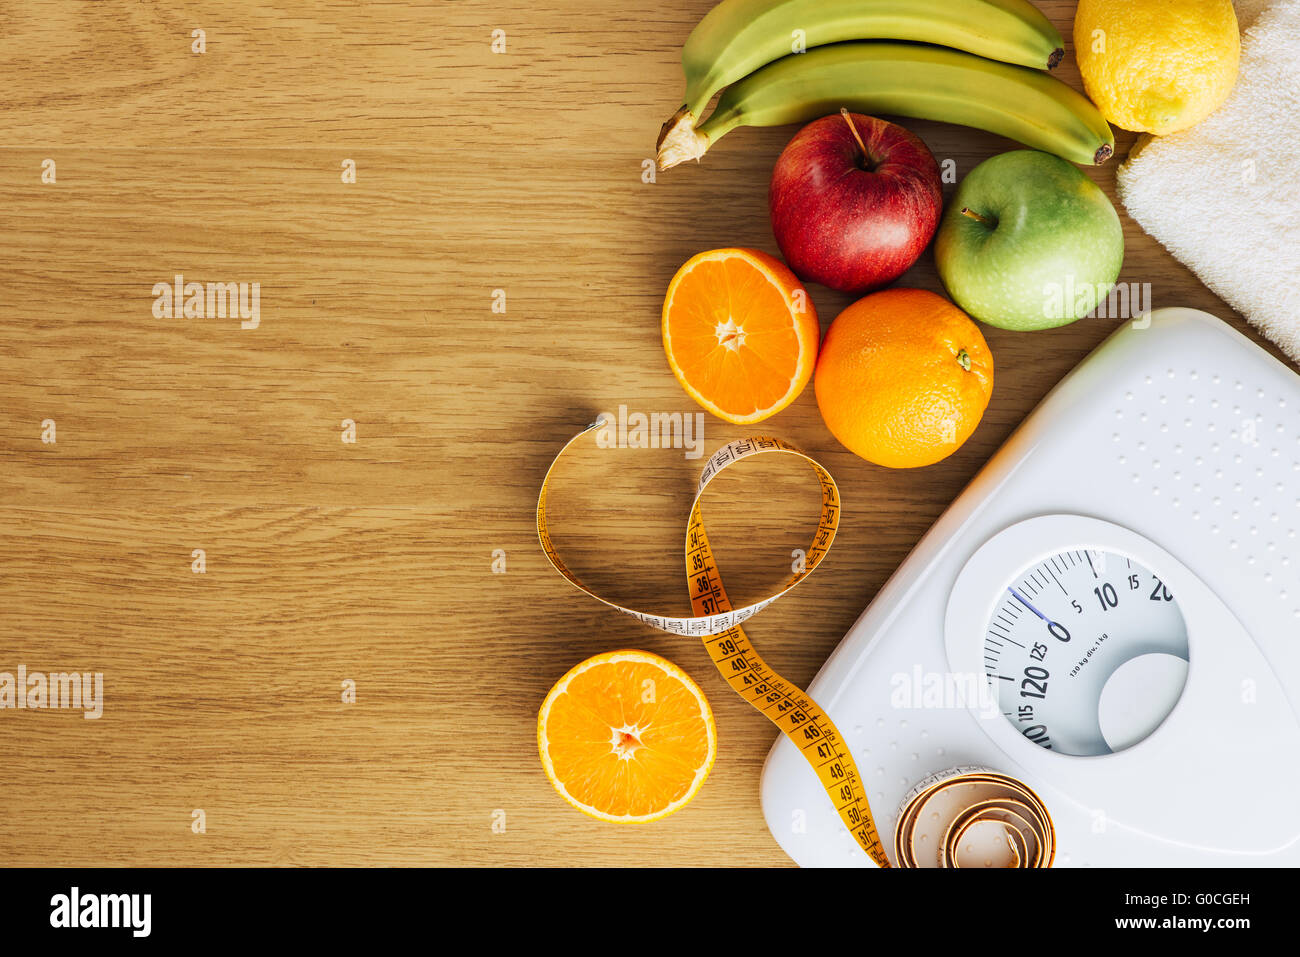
x=622 y=755
x=733 y=338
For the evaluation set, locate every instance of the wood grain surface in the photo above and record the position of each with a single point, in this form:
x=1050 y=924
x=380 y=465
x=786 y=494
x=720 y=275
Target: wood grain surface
x=372 y=562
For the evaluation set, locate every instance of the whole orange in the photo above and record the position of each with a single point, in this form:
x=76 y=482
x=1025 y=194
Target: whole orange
x=903 y=378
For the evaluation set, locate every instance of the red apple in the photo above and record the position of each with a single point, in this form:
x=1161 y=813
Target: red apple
x=855 y=201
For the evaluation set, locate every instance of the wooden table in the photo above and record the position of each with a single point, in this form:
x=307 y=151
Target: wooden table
x=510 y=179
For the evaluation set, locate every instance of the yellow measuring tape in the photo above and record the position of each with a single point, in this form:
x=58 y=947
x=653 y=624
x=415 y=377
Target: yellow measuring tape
x=715 y=622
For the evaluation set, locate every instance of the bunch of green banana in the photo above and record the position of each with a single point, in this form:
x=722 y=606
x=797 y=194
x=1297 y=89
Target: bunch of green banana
x=997 y=84
x=930 y=83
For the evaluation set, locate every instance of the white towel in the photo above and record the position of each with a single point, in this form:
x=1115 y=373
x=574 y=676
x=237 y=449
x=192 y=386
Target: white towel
x=1224 y=196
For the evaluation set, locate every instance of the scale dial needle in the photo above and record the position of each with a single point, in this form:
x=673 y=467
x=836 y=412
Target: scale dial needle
x=1024 y=601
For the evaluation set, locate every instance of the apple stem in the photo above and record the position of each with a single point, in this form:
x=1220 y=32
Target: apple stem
x=967 y=211
x=853 y=127
x=963 y=360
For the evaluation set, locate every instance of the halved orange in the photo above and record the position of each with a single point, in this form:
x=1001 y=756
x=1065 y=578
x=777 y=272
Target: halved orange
x=626 y=736
x=740 y=332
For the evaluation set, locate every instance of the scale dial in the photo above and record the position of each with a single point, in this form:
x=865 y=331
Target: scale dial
x=1086 y=652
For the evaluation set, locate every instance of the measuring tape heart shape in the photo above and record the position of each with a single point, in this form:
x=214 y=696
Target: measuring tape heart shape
x=714 y=621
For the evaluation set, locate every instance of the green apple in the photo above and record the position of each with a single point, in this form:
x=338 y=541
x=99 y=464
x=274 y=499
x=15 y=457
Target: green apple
x=1029 y=242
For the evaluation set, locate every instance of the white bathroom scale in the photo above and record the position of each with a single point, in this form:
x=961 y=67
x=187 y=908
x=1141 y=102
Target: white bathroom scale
x=1110 y=613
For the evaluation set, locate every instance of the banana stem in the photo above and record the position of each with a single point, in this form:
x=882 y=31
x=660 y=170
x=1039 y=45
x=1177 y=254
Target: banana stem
x=679 y=140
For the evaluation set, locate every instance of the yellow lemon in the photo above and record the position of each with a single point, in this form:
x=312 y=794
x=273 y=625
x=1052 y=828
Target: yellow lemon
x=1157 y=66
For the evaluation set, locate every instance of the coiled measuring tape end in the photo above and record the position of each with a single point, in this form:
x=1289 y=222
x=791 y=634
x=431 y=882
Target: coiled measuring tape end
x=973 y=817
